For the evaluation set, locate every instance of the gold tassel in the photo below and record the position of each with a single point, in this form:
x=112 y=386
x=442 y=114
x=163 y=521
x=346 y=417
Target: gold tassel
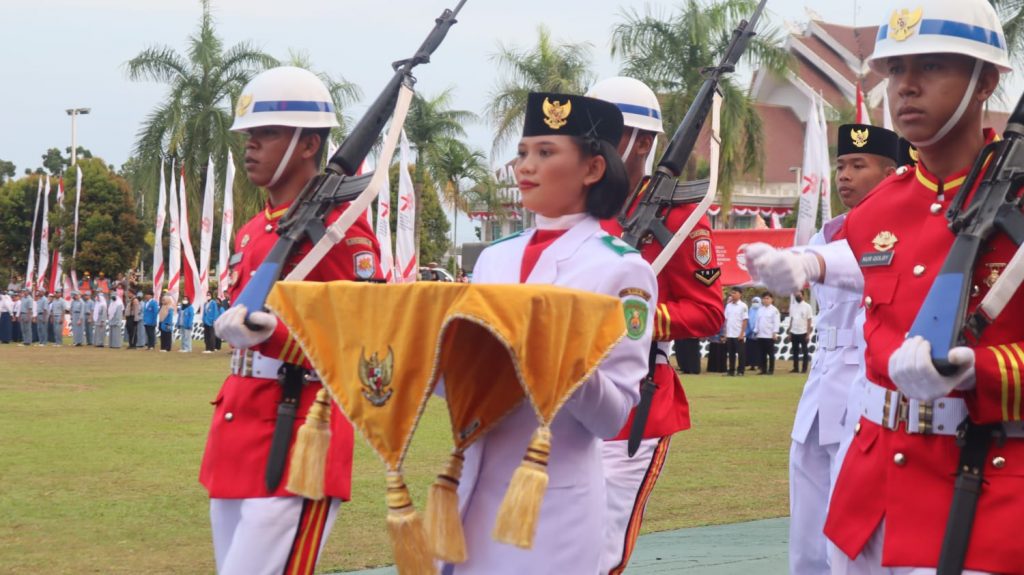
x=405 y=527
x=516 y=523
x=309 y=456
x=444 y=525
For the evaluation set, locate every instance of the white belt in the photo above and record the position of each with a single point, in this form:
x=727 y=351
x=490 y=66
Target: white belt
x=831 y=338
x=248 y=363
x=890 y=408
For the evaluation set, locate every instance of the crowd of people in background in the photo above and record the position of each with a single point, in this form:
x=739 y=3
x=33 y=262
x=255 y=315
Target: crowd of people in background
x=751 y=335
x=105 y=314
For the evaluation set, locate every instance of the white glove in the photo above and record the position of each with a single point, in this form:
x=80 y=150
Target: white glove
x=911 y=369
x=782 y=271
x=231 y=327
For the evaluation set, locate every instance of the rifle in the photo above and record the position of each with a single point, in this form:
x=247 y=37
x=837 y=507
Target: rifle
x=995 y=207
x=998 y=174
x=339 y=184
x=648 y=217
x=665 y=191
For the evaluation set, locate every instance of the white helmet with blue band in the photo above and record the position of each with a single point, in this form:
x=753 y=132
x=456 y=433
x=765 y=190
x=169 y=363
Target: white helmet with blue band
x=285 y=96
x=965 y=27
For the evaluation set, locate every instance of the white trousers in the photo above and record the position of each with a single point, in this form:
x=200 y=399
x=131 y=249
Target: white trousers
x=628 y=484
x=869 y=562
x=257 y=536
x=812 y=473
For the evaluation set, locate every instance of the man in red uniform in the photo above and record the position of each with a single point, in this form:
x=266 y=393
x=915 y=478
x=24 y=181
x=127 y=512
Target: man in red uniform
x=286 y=114
x=689 y=306
x=893 y=496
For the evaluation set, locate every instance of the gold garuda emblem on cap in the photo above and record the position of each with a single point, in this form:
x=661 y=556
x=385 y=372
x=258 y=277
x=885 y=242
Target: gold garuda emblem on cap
x=902 y=23
x=376 y=376
x=884 y=241
x=556 y=114
x=859 y=137
x=244 y=101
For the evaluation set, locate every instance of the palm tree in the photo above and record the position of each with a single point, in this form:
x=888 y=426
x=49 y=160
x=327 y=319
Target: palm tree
x=431 y=122
x=194 y=121
x=343 y=93
x=450 y=163
x=668 y=52
x=546 y=67
x=1011 y=14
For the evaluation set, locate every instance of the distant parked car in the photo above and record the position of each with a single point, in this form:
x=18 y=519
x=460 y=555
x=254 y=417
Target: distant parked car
x=435 y=275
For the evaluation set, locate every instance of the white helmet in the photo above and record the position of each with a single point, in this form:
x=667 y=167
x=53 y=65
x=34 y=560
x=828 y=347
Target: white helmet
x=968 y=27
x=285 y=96
x=639 y=105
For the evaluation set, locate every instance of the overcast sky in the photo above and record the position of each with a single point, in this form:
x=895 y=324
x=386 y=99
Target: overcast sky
x=59 y=54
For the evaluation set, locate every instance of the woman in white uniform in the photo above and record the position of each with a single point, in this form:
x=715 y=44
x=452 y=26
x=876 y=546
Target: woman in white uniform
x=570 y=176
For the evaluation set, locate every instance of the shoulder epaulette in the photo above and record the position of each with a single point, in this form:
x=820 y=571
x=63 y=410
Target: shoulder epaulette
x=618 y=246
x=506 y=238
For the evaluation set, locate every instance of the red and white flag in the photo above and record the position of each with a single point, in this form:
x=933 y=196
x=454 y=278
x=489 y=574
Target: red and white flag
x=406 y=267
x=886 y=112
x=387 y=257
x=226 y=228
x=158 y=237
x=29 y=273
x=206 y=230
x=56 y=269
x=813 y=174
x=863 y=117
x=826 y=164
x=78 y=201
x=44 y=239
x=190 y=272
x=174 y=249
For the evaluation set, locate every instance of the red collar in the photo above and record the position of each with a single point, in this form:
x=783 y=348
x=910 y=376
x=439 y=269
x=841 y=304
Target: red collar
x=953 y=183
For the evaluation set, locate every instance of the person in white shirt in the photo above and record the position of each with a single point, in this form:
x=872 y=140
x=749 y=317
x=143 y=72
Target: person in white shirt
x=800 y=314
x=735 y=332
x=767 y=333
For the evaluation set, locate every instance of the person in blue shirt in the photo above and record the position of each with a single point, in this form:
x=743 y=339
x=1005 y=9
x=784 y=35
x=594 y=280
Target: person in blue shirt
x=186 y=317
x=211 y=311
x=751 y=344
x=150 y=311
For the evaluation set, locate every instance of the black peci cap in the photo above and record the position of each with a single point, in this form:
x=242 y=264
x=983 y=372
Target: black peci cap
x=549 y=114
x=867 y=139
x=908 y=154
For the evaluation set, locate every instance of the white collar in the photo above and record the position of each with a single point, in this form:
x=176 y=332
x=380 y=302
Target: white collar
x=560 y=223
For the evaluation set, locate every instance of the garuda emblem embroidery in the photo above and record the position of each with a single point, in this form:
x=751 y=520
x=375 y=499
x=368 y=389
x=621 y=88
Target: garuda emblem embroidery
x=884 y=241
x=902 y=23
x=859 y=137
x=556 y=114
x=376 y=376
x=243 y=104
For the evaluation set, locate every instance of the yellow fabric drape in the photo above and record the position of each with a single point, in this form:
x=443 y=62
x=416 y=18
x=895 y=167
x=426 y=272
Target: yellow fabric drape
x=494 y=344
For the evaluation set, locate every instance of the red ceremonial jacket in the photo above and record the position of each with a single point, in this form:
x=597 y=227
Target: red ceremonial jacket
x=914 y=497
x=689 y=306
x=245 y=410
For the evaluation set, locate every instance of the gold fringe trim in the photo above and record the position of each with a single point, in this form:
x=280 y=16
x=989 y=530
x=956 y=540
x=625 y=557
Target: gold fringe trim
x=309 y=456
x=519 y=513
x=444 y=525
x=405 y=528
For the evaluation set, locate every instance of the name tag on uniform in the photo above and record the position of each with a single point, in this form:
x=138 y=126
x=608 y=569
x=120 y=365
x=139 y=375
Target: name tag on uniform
x=235 y=260
x=876 y=259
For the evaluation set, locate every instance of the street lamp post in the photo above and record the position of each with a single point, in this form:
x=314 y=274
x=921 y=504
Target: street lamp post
x=74 y=112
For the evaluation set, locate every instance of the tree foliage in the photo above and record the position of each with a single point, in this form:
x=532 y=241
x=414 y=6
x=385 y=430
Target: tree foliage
x=668 y=52
x=194 y=120
x=7 y=170
x=547 y=66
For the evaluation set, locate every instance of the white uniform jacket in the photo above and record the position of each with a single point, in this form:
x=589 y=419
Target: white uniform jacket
x=570 y=533
x=837 y=356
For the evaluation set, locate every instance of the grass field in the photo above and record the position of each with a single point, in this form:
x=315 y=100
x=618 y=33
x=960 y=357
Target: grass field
x=100 y=453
